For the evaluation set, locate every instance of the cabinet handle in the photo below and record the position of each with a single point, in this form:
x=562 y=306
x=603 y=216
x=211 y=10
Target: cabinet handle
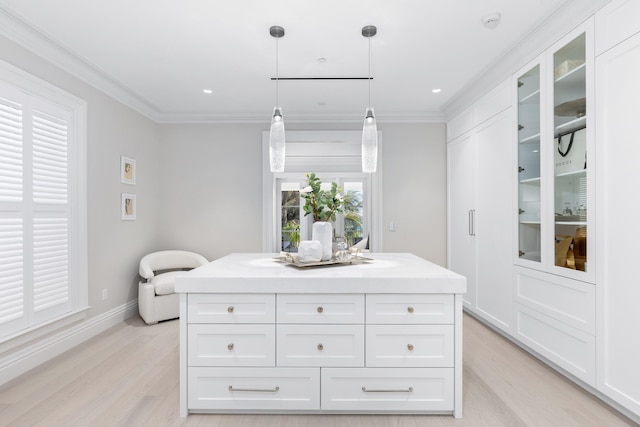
x=320 y=347
x=410 y=309
x=230 y=346
x=320 y=309
x=409 y=390
x=472 y=222
x=268 y=390
x=410 y=347
x=230 y=309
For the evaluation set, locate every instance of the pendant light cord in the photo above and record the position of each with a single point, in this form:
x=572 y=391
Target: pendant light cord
x=277 y=102
x=369 y=71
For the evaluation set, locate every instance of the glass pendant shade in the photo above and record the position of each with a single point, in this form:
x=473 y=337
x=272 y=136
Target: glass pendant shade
x=276 y=141
x=369 y=142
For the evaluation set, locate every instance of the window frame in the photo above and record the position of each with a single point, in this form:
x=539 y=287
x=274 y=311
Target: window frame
x=34 y=91
x=345 y=166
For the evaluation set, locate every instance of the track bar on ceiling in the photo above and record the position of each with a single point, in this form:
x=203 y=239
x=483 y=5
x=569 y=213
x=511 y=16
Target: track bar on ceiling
x=321 y=78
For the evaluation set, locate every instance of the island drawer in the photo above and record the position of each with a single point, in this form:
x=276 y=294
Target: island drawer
x=320 y=308
x=231 y=345
x=409 y=309
x=387 y=389
x=320 y=345
x=253 y=388
x=231 y=308
x=410 y=346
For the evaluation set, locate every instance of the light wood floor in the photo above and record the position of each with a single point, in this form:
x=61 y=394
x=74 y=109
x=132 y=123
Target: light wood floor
x=128 y=376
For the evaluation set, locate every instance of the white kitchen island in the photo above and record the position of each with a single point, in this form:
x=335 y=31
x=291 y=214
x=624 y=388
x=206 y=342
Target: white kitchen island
x=259 y=336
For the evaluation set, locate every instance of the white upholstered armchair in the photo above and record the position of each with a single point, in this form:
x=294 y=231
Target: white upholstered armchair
x=157 y=299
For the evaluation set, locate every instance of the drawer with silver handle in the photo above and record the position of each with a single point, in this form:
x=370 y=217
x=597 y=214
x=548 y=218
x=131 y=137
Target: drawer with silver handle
x=387 y=389
x=231 y=345
x=231 y=308
x=320 y=308
x=253 y=388
x=320 y=345
x=384 y=309
x=409 y=346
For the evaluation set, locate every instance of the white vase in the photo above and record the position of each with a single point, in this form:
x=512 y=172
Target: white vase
x=323 y=232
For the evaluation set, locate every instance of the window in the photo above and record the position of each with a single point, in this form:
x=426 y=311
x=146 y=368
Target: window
x=42 y=212
x=333 y=156
x=294 y=226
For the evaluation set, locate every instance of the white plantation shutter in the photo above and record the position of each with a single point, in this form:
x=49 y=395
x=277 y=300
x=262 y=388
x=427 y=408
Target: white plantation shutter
x=37 y=280
x=10 y=151
x=11 y=270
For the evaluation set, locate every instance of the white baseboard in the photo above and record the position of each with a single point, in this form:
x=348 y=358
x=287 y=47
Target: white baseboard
x=35 y=354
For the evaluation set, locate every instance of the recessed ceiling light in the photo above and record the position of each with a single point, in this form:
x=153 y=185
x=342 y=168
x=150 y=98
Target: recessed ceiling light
x=322 y=103
x=322 y=60
x=207 y=91
x=436 y=90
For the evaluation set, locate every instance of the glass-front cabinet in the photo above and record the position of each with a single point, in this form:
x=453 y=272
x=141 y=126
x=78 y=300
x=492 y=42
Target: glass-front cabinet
x=554 y=145
x=570 y=154
x=529 y=176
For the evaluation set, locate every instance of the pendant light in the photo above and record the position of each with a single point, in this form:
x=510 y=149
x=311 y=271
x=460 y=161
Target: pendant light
x=369 y=129
x=276 y=135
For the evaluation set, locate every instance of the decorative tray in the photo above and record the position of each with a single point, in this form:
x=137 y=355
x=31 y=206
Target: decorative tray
x=295 y=261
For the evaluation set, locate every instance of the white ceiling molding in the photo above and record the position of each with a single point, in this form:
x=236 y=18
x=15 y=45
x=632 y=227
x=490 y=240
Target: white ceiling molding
x=569 y=16
x=23 y=33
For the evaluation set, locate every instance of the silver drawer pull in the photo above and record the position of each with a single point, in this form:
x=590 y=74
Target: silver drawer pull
x=230 y=309
x=320 y=347
x=267 y=390
x=320 y=309
x=230 y=346
x=410 y=347
x=409 y=390
x=410 y=309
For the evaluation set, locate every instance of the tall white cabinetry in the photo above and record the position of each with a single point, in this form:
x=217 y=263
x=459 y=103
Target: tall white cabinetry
x=618 y=152
x=554 y=274
x=479 y=158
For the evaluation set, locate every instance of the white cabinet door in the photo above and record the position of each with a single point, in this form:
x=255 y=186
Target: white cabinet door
x=618 y=288
x=494 y=217
x=462 y=244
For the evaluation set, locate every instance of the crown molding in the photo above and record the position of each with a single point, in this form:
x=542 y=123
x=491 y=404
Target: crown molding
x=196 y=117
x=23 y=33
x=549 y=30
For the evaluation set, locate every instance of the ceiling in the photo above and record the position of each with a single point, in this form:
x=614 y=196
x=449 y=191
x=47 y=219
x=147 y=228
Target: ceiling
x=163 y=53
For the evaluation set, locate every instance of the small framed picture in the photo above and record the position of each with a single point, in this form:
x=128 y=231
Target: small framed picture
x=127 y=170
x=128 y=208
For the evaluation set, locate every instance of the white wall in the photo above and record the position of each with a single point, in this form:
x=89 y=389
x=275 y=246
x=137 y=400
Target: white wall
x=415 y=190
x=113 y=129
x=211 y=188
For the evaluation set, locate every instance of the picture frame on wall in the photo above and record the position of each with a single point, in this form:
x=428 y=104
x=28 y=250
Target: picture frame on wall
x=127 y=170
x=128 y=207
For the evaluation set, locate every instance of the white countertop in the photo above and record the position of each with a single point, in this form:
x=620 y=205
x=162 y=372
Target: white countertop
x=260 y=272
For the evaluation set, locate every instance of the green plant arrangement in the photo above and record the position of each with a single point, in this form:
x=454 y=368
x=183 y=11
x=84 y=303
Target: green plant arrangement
x=322 y=204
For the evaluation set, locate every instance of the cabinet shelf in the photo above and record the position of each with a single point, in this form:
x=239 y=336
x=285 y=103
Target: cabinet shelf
x=570 y=125
x=531 y=222
x=532 y=98
x=535 y=180
x=578 y=223
x=577 y=76
x=573 y=174
x=532 y=139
